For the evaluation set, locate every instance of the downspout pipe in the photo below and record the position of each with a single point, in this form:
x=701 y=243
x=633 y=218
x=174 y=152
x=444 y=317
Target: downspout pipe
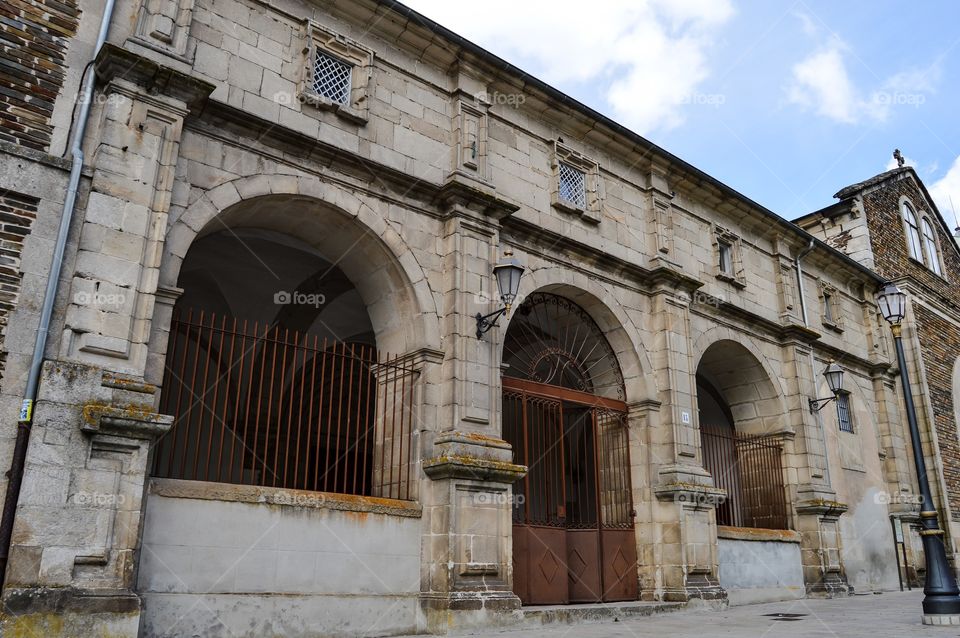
x=15 y=474
x=806 y=323
x=803 y=302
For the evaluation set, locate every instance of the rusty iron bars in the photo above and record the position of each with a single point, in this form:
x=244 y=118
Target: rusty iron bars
x=577 y=456
x=257 y=404
x=750 y=469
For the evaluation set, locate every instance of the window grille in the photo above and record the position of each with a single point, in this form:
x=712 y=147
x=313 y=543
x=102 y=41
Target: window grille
x=331 y=78
x=573 y=185
x=843 y=412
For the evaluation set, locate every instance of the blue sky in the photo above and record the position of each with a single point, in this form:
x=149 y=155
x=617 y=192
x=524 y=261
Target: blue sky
x=786 y=102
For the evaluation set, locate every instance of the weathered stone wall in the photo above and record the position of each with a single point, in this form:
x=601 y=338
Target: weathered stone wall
x=34 y=37
x=755 y=570
x=266 y=561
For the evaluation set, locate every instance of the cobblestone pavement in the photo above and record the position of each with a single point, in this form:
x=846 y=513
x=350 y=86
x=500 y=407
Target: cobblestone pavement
x=888 y=615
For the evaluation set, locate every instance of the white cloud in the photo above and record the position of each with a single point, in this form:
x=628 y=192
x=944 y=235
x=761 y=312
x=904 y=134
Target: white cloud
x=650 y=56
x=946 y=193
x=822 y=82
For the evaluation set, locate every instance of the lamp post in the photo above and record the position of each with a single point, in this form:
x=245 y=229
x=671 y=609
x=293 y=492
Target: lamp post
x=941 y=603
x=508 y=272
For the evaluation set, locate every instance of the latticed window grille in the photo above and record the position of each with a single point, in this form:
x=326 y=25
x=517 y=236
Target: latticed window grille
x=573 y=185
x=843 y=412
x=331 y=78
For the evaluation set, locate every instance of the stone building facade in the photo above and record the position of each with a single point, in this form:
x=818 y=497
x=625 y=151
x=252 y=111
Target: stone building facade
x=891 y=224
x=276 y=193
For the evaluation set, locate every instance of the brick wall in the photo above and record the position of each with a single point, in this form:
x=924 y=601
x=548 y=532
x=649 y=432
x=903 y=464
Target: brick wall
x=889 y=239
x=939 y=339
x=33 y=43
x=940 y=346
x=17 y=214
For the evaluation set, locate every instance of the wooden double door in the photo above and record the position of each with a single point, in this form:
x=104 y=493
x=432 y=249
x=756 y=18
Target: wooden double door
x=573 y=532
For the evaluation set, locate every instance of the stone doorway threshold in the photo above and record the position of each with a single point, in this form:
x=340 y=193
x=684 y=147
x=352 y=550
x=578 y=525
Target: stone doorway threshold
x=543 y=615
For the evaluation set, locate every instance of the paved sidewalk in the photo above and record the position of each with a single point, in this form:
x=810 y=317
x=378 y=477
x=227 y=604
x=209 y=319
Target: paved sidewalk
x=889 y=615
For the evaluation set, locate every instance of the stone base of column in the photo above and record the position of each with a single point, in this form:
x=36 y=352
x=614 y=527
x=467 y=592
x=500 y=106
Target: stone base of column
x=68 y=612
x=831 y=586
x=939 y=619
x=444 y=613
x=699 y=587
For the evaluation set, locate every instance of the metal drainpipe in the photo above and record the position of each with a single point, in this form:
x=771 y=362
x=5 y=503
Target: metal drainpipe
x=15 y=475
x=803 y=308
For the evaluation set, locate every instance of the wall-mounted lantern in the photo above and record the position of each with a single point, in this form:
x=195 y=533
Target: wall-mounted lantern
x=508 y=272
x=834 y=375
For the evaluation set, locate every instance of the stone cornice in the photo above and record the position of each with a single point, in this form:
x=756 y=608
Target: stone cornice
x=473 y=468
x=132 y=422
x=116 y=63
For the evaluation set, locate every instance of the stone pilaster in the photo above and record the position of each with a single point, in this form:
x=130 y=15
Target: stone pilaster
x=681 y=531
x=820 y=550
x=468 y=580
x=75 y=538
x=77 y=527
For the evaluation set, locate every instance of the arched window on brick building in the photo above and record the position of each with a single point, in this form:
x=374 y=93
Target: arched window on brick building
x=930 y=240
x=913 y=232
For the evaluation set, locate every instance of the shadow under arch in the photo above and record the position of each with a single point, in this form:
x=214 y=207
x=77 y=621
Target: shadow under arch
x=743 y=382
x=740 y=416
x=397 y=300
x=290 y=305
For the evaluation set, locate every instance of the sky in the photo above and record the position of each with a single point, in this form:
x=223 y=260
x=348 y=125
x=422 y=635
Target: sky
x=786 y=102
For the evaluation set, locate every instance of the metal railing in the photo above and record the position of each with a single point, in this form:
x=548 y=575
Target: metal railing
x=257 y=404
x=578 y=461
x=750 y=469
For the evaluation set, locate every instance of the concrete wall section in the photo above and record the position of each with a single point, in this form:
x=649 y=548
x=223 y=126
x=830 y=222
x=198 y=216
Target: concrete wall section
x=760 y=571
x=215 y=568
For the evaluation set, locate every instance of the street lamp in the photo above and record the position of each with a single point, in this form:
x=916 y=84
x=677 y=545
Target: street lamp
x=941 y=603
x=508 y=272
x=834 y=375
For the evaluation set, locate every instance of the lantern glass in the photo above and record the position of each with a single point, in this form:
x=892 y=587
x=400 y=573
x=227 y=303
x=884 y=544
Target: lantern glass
x=508 y=273
x=892 y=303
x=834 y=375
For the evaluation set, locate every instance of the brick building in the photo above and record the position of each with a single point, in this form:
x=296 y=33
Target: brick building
x=267 y=406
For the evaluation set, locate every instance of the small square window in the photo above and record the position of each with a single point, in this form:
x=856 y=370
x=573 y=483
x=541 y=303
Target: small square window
x=331 y=78
x=726 y=258
x=843 y=412
x=573 y=185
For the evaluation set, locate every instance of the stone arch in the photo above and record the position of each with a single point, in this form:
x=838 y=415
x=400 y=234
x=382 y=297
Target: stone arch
x=734 y=366
x=374 y=256
x=603 y=307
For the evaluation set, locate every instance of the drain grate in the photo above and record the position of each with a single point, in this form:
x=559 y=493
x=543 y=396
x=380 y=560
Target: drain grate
x=785 y=617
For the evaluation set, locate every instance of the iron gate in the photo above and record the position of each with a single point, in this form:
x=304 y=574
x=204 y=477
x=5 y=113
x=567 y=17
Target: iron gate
x=573 y=533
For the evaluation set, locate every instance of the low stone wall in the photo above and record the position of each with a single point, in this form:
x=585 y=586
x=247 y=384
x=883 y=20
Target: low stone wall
x=760 y=565
x=245 y=561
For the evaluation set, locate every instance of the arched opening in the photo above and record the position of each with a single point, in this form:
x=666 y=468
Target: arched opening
x=272 y=368
x=739 y=416
x=564 y=414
